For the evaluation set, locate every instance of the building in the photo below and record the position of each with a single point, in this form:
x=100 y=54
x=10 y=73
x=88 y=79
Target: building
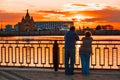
x=53 y=25
x=27 y=23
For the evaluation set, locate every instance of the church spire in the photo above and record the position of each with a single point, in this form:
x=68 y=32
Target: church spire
x=27 y=14
x=27 y=10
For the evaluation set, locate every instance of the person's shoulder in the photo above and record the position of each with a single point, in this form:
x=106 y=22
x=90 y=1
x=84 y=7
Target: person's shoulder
x=75 y=33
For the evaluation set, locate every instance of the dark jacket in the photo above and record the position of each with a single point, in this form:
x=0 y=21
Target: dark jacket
x=86 y=45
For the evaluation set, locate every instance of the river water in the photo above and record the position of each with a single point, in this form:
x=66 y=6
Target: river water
x=112 y=37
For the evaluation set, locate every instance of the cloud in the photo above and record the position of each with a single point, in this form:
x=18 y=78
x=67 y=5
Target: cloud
x=10 y=17
x=14 y=18
x=108 y=14
x=79 y=5
x=54 y=13
x=2 y=11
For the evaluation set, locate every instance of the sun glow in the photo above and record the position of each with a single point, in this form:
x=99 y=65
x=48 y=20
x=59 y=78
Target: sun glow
x=80 y=17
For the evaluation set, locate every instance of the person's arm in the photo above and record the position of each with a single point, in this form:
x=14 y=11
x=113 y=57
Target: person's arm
x=91 y=46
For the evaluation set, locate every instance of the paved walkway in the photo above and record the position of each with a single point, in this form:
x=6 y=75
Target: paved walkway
x=49 y=74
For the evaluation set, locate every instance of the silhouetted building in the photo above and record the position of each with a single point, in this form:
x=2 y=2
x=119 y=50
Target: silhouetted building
x=54 y=25
x=27 y=23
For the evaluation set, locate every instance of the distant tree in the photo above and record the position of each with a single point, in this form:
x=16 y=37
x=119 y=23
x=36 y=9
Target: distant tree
x=98 y=27
x=104 y=27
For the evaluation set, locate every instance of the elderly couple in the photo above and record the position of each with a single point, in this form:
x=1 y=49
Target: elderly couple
x=84 y=51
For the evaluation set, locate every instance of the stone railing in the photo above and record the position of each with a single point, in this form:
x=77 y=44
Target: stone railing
x=50 y=54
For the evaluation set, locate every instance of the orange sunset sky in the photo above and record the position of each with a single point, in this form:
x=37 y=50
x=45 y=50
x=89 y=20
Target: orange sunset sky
x=84 y=12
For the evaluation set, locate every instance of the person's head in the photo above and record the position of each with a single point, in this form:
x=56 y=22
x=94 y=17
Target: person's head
x=72 y=28
x=88 y=34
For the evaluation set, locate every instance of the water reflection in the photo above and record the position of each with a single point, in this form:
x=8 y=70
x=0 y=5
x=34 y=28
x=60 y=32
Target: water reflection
x=55 y=38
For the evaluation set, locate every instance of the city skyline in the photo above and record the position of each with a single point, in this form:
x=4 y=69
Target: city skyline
x=84 y=12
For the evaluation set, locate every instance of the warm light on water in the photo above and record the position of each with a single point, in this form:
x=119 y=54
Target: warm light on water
x=56 y=38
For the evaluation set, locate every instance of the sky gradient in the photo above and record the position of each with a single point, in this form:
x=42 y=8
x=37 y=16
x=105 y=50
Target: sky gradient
x=84 y=12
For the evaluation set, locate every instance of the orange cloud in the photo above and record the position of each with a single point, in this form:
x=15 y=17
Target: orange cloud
x=109 y=15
